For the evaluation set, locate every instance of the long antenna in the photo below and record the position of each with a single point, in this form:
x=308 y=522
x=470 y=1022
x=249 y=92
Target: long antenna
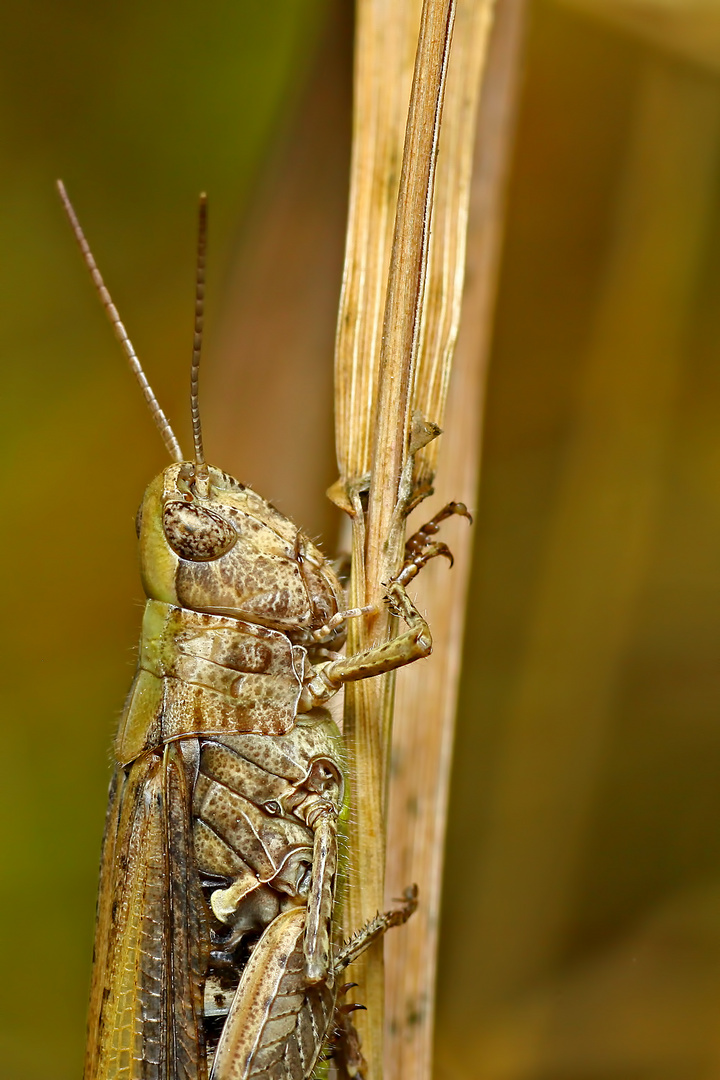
x=161 y=421
x=201 y=468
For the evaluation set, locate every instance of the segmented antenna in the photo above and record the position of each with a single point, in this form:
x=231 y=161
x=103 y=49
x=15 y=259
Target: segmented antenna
x=161 y=421
x=201 y=468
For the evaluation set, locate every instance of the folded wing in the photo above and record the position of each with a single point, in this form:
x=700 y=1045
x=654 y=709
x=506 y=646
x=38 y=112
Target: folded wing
x=152 y=938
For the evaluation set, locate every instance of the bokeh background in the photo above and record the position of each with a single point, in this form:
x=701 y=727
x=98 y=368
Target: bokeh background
x=581 y=935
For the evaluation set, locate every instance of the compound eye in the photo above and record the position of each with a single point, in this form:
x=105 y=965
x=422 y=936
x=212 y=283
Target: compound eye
x=196 y=533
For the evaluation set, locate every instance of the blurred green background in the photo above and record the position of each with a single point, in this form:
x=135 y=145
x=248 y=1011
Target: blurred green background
x=581 y=933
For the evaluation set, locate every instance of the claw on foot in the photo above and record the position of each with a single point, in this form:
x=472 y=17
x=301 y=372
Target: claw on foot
x=420 y=548
x=419 y=539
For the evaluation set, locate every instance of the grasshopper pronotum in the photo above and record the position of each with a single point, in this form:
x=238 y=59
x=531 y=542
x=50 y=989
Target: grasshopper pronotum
x=214 y=951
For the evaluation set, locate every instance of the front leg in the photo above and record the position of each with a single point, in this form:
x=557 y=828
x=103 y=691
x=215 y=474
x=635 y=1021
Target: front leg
x=414 y=644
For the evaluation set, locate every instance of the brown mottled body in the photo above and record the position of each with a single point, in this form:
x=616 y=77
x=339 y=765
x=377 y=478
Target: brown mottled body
x=213 y=948
x=214 y=942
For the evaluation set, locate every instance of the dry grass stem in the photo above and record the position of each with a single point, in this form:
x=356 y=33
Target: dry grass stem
x=446 y=264
x=387 y=369
x=424 y=720
x=405 y=293
x=385 y=41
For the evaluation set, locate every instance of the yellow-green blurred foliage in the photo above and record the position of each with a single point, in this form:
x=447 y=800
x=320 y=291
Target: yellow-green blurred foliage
x=582 y=911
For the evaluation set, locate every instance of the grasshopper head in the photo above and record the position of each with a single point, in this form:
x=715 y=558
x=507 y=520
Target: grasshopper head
x=207 y=542
x=220 y=548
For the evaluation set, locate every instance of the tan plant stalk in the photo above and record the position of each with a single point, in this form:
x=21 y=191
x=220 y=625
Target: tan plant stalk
x=392 y=375
x=424 y=722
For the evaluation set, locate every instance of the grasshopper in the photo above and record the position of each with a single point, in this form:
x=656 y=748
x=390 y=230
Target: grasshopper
x=214 y=952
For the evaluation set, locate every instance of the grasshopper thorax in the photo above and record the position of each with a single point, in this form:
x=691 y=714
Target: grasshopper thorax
x=224 y=550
